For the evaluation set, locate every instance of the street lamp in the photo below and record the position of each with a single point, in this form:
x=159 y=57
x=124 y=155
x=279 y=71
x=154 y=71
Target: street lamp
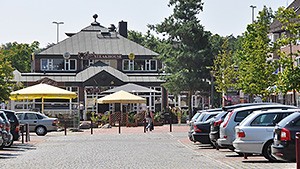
x=57 y=26
x=252 y=6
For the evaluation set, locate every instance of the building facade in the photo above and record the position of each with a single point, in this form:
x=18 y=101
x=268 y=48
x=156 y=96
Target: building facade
x=91 y=61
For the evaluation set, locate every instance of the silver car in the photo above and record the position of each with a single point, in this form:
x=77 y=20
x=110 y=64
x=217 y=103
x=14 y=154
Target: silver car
x=38 y=122
x=255 y=134
x=233 y=118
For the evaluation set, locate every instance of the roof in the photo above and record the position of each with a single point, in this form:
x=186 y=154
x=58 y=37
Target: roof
x=98 y=39
x=276 y=26
x=85 y=75
x=131 y=88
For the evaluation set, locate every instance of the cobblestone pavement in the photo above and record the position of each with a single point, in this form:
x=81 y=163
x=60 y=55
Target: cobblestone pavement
x=133 y=148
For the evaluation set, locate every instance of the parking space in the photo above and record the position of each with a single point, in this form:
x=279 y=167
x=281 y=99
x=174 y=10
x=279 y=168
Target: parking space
x=204 y=154
x=231 y=159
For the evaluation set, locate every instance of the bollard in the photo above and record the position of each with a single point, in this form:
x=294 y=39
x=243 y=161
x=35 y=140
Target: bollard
x=297 y=149
x=171 y=121
x=27 y=132
x=22 y=132
x=119 y=126
x=92 y=127
x=65 y=126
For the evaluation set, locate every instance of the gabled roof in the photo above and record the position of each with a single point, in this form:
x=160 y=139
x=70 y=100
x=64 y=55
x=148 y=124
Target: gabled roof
x=131 y=88
x=96 y=38
x=276 y=26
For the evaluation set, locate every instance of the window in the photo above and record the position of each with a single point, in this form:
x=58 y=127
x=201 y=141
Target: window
x=140 y=65
x=240 y=116
x=30 y=116
x=265 y=120
x=58 y=64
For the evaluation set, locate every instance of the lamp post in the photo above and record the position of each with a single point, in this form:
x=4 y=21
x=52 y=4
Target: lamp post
x=57 y=26
x=253 y=7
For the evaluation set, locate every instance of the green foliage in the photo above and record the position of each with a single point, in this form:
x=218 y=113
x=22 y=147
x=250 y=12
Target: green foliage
x=224 y=69
x=157 y=116
x=20 y=55
x=255 y=72
x=131 y=117
x=105 y=118
x=6 y=76
x=289 y=76
x=94 y=117
x=187 y=51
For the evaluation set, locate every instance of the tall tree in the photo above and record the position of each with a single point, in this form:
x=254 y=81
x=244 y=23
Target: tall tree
x=289 y=75
x=224 y=69
x=188 y=51
x=20 y=54
x=6 y=76
x=255 y=72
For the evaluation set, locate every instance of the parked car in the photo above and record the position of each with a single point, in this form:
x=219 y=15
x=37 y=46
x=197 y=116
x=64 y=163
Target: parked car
x=6 y=133
x=200 y=117
x=14 y=123
x=234 y=117
x=255 y=133
x=214 y=133
x=3 y=132
x=285 y=131
x=202 y=128
x=38 y=122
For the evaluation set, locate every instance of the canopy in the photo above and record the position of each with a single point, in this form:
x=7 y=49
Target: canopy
x=42 y=91
x=131 y=88
x=121 y=97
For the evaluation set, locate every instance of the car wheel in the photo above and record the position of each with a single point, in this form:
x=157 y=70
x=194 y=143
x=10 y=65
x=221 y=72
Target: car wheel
x=41 y=131
x=8 y=144
x=267 y=151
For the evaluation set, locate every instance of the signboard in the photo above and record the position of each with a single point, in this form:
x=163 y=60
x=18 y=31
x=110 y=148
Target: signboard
x=92 y=56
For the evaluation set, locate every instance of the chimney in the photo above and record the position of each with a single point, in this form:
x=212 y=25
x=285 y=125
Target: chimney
x=123 y=28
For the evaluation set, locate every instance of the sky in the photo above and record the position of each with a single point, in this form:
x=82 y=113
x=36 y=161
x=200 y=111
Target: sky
x=31 y=20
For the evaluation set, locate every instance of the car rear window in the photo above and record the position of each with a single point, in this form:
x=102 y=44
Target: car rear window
x=241 y=115
x=268 y=119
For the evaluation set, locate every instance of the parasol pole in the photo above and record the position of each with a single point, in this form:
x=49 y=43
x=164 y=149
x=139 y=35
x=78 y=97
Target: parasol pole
x=43 y=105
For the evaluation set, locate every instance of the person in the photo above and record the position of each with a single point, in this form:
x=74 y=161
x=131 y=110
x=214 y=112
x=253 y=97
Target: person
x=148 y=117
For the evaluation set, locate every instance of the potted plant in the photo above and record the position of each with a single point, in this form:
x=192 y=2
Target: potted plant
x=157 y=119
x=131 y=120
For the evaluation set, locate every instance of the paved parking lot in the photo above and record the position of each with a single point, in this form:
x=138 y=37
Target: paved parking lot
x=130 y=149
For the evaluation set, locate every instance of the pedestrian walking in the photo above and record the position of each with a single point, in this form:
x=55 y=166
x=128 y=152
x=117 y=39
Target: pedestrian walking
x=148 y=117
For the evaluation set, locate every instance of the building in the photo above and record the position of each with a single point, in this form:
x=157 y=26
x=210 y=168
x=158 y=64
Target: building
x=91 y=61
x=276 y=31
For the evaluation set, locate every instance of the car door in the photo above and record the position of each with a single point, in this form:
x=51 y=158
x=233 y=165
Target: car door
x=31 y=119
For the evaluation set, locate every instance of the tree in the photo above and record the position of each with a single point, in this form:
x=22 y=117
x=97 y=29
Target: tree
x=289 y=76
x=187 y=54
x=224 y=69
x=19 y=55
x=255 y=73
x=148 y=40
x=6 y=76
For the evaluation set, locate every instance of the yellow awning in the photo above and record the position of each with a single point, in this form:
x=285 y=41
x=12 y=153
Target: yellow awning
x=42 y=91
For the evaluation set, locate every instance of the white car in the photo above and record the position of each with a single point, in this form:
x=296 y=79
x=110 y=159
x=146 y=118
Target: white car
x=255 y=134
x=234 y=117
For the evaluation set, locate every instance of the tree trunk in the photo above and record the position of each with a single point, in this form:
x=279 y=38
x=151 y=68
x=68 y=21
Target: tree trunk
x=190 y=104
